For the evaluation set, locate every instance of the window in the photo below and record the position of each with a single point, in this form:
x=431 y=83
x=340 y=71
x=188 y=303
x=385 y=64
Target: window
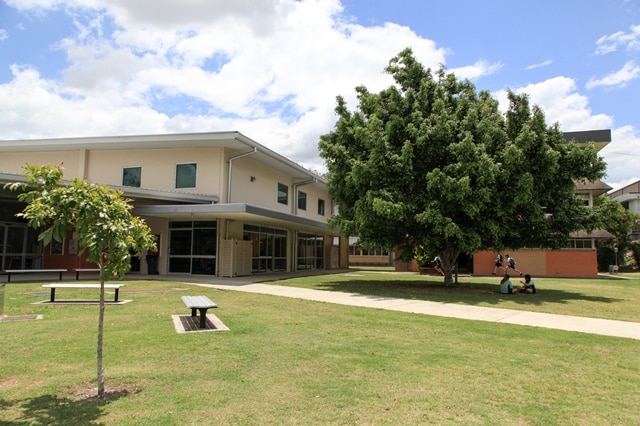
x=302 y=200
x=581 y=244
x=132 y=176
x=186 y=175
x=584 y=198
x=310 y=252
x=321 y=207
x=283 y=193
x=269 y=248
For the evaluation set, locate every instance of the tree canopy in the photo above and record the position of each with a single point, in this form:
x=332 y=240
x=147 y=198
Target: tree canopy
x=100 y=217
x=431 y=163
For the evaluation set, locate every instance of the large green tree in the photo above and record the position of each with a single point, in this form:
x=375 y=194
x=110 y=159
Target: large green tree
x=101 y=219
x=431 y=163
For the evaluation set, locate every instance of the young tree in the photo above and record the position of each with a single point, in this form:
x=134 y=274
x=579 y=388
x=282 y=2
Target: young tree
x=101 y=219
x=429 y=162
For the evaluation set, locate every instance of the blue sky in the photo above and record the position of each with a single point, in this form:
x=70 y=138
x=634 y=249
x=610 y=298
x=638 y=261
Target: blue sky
x=271 y=69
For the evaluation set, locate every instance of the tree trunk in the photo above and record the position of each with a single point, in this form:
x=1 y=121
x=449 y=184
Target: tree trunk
x=100 y=339
x=448 y=258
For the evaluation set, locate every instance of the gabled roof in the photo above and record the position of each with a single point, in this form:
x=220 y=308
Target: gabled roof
x=629 y=192
x=596 y=188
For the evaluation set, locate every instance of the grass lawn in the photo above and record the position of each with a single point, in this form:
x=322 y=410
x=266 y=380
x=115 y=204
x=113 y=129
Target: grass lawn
x=608 y=298
x=297 y=362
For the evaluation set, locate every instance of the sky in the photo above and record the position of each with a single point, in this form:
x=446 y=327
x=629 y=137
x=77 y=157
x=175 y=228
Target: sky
x=271 y=69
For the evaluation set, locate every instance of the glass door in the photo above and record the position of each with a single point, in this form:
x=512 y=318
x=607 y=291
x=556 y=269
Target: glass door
x=192 y=247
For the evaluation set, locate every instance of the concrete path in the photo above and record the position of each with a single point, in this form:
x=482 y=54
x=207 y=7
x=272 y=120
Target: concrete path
x=603 y=327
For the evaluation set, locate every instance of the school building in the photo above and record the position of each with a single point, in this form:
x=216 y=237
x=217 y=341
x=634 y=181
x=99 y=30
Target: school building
x=219 y=204
x=629 y=197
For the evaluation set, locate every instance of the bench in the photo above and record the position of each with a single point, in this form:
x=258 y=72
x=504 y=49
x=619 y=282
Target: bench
x=201 y=303
x=78 y=270
x=53 y=288
x=33 y=271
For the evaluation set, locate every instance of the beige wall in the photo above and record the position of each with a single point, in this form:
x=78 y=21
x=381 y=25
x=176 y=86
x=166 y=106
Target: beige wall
x=13 y=162
x=158 y=167
x=263 y=191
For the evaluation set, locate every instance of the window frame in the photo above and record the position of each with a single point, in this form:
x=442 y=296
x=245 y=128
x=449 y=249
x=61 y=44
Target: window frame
x=195 y=177
x=302 y=200
x=283 y=200
x=321 y=207
x=139 y=169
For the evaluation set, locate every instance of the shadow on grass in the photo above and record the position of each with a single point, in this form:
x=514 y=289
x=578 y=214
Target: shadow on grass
x=56 y=410
x=471 y=294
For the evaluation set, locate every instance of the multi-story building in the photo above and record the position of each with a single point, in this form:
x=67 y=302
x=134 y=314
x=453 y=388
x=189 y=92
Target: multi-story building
x=219 y=203
x=629 y=197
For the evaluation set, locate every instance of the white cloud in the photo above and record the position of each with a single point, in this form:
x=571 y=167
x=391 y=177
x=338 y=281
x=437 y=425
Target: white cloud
x=611 y=43
x=539 y=65
x=478 y=69
x=561 y=103
x=622 y=156
x=270 y=69
x=3 y=34
x=620 y=78
x=559 y=99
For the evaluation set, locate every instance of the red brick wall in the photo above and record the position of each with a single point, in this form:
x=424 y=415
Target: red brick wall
x=549 y=263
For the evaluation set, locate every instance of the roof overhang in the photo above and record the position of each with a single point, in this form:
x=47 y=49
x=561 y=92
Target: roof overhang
x=600 y=138
x=596 y=234
x=237 y=211
x=232 y=141
x=627 y=197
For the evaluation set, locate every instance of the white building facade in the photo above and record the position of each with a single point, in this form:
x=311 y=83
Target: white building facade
x=219 y=203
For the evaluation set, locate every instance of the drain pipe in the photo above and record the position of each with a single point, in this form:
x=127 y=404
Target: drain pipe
x=296 y=185
x=294 y=210
x=255 y=149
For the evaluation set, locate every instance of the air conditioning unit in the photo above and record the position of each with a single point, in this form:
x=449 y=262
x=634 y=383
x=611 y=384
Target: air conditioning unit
x=236 y=261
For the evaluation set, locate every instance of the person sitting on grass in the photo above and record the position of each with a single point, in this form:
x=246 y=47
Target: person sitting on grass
x=528 y=286
x=505 y=285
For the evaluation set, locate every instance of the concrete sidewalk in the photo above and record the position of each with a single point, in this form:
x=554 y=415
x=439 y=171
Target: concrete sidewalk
x=603 y=327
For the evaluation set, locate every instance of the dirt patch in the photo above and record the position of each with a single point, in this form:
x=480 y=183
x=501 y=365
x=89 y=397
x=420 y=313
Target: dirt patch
x=110 y=392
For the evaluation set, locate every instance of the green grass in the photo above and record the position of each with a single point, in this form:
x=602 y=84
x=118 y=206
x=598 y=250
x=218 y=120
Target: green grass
x=609 y=298
x=297 y=362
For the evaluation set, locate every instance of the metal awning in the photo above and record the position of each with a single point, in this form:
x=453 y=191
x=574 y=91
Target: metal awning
x=237 y=211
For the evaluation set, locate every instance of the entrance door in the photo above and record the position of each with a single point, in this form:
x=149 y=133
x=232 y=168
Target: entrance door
x=19 y=247
x=192 y=247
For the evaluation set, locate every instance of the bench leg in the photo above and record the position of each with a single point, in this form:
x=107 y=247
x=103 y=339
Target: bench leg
x=8 y=277
x=203 y=317
x=60 y=276
x=116 y=299
x=53 y=295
